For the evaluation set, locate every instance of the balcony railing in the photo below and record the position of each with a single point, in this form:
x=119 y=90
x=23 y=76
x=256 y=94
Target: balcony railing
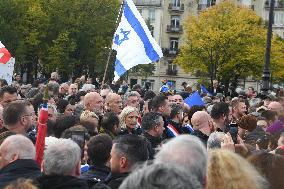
x=148 y=2
x=277 y=5
x=174 y=29
x=173 y=7
x=251 y=7
x=171 y=72
x=169 y=52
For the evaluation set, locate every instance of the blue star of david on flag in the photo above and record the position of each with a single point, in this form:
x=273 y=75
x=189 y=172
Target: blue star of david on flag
x=117 y=39
x=133 y=41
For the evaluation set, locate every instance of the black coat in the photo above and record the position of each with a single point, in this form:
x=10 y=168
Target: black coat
x=114 y=180
x=153 y=143
x=60 y=182
x=96 y=174
x=218 y=90
x=203 y=137
x=21 y=168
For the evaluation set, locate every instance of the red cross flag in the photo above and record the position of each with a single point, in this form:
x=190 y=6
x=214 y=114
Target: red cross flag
x=4 y=54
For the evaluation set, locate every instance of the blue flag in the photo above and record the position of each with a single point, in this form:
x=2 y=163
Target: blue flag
x=204 y=90
x=194 y=99
x=133 y=41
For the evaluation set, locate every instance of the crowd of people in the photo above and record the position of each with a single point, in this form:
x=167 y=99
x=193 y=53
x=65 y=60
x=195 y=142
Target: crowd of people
x=113 y=136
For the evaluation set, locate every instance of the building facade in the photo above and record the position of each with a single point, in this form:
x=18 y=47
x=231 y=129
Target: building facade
x=166 y=18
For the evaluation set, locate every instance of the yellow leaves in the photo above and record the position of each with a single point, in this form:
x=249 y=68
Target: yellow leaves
x=230 y=38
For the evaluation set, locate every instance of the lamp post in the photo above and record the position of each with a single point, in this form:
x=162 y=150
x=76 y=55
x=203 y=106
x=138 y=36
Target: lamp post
x=266 y=71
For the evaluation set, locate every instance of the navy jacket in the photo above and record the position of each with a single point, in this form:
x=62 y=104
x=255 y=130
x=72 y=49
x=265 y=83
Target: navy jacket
x=96 y=173
x=21 y=168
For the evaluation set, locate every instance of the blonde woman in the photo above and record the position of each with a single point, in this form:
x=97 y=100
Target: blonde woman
x=90 y=121
x=128 y=121
x=227 y=170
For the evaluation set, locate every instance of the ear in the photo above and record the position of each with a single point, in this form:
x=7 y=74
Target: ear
x=14 y=158
x=161 y=109
x=22 y=120
x=123 y=163
x=78 y=169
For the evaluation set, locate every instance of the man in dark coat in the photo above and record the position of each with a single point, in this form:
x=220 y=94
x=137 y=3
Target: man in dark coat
x=17 y=154
x=99 y=148
x=203 y=125
x=153 y=126
x=126 y=152
x=174 y=127
x=215 y=88
x=61 y=166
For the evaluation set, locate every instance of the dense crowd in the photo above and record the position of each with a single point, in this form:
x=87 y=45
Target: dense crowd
x=114 y=136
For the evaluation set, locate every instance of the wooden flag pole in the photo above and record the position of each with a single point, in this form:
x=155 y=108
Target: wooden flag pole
x=110 y=49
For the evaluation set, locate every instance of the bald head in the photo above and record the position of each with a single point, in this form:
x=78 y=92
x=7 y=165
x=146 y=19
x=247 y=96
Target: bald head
x=114 y=103
x=16 y=147
x=94 y=102
x=200 y=119
x=275 y=106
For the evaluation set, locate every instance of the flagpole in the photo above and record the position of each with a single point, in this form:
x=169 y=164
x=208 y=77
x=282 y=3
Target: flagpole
x=110 y=50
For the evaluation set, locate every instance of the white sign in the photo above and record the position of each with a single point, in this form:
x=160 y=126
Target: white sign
x=6 y=70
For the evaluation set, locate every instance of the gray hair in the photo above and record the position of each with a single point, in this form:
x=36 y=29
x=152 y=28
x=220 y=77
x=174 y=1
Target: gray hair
x=185 y=151
x=20 y=145
x=127 y=95
x=88 y=87
x=215 y=139
x=161 y=176
x=62 y=157
x=150 y=120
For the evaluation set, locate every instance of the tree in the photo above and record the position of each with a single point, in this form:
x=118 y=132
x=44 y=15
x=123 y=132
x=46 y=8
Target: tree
x=68 y=35
x=226 y=42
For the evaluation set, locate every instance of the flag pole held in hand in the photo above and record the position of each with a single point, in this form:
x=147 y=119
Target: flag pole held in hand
x=42 y=127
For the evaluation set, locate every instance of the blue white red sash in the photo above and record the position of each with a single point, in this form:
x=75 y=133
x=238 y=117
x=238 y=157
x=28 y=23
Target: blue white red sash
x=172 y=131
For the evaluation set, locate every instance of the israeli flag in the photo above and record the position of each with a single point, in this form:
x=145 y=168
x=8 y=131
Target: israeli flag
x=133 y=41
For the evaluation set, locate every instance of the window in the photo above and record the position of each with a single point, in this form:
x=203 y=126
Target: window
x=278 y=19
x=176 y=3
x=151 y=82
x=173 y=44
x=203 y=2
x=151 y=28
x=152 y=15
x=171 y=65
x=175 y=21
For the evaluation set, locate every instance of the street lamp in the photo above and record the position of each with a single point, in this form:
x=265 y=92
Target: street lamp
x=266 y=70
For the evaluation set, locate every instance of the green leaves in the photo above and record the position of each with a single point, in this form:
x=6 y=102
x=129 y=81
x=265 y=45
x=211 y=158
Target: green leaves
x=70 y=35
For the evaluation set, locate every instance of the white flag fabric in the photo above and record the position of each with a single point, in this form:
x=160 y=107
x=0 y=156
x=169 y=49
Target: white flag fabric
x=6 y=70
x=133 y=41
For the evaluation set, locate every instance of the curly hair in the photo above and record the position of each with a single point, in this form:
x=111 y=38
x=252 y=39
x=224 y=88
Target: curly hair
x=227 y=170
x=247 y=122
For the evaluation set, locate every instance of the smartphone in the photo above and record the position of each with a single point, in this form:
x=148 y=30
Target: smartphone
x=234 y=132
